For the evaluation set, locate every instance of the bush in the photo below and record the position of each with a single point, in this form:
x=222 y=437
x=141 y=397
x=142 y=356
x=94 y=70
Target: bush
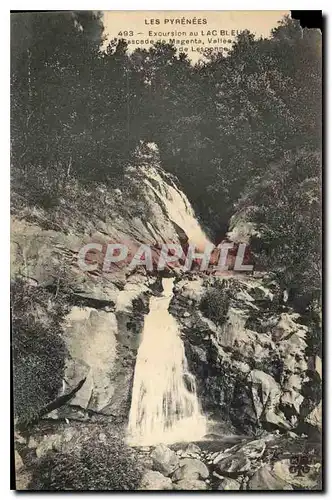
x=91 y=463
x=214 y=304
x=38 y=349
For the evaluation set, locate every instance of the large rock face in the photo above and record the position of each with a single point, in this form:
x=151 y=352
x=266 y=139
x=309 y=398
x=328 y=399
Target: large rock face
x=101 y=349
x=103 y=327
x=102 y=330
x=250 y=362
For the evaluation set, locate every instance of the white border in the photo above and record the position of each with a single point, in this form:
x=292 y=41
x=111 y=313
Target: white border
x=169 y=5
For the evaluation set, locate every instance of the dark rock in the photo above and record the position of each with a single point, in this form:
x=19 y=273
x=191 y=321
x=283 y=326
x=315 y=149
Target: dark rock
x=242 y=410
x=259 y=336
x=233 y=465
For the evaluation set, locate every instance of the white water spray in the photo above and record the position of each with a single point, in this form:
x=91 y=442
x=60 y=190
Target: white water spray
x=176 y=205
x=164 y=406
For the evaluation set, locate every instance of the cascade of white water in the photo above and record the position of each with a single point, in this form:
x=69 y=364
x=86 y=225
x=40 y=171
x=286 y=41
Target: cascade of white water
x=164 y=406
x=176 y=205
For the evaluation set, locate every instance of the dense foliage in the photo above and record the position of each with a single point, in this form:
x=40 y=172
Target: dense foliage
x=97 y=461
x=239 y=131
x=285 y=204
x=38 y=349
x=215 y=303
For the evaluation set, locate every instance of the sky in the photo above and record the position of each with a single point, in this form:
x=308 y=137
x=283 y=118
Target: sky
x=211 y=29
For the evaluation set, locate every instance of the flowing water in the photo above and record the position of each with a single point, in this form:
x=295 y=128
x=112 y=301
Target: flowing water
x=164 y=406
x=176 y=205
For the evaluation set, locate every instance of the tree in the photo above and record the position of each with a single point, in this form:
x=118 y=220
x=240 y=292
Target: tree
x=285 y=206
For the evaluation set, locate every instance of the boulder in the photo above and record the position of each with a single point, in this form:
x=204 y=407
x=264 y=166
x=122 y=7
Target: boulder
x=300 y=474
x=164 y=459
x=216 y=457
x=192 y=448
x=264 y=479
x=229 y=484
x=286 y=326
x=190 y=484
x=191 y=468
x=265 y=390
x=18 y=462
x=154 y=480
x=292 y=399
x=90 y=337
x=235 y=464
x=253 y=450
x=266 y=394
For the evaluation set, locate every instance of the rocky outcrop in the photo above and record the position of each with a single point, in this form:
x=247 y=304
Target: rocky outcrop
x=101 y=352
x=273 y=462
x=264 y=479
x=103 y=327
x=250 y=362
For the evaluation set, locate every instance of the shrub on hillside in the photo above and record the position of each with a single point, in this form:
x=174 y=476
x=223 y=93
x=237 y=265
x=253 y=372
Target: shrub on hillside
x=214 y=304
x=38 y=349
x=38 y=186
x=97 y=461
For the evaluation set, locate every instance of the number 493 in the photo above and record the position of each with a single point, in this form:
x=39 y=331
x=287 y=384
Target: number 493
x=126 y=33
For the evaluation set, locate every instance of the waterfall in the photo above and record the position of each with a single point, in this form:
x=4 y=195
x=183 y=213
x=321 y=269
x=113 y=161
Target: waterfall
x=164 y=406
x=176 y=204
x=162 y=186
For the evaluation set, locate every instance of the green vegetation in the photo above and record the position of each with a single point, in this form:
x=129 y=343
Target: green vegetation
x=285 y=205
x=98 y=460
x=214 y=304
x=37 y=347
